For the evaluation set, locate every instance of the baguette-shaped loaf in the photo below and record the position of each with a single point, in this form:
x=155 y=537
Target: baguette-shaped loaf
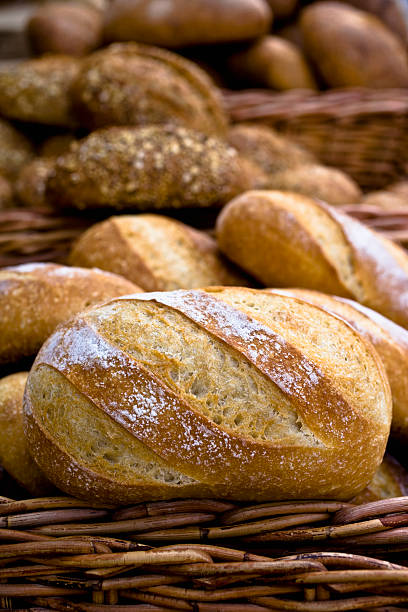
x=227 y=392
x=155 y=252
x=35 y=298
x=290 y=240
x=389 y=339
x=14 y=454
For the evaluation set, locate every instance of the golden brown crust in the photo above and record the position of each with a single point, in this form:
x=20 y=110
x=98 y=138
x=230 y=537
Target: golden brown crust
x=390 y=480
x=37 y=90
x=320 y=457
x=273 y=62
x=15 y=150
x=389 y=340
x=32 y=182
x=14 y=455
x=187 y=23
x=134 y=84
x=353 y=48
x=147 y=167
x=155 y=252
x=35 y=298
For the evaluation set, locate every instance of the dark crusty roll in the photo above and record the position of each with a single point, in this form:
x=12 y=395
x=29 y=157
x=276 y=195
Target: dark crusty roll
x=227 y=392
x=14 y=454
x=35 y=297
x=389 y=339
x=290 y=240
x=155 y=252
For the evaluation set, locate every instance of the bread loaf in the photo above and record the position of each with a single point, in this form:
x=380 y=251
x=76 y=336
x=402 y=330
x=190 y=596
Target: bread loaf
x=132 y=84
x=14 y=454
x=289 y=240
x=389 y=340
x=37 y=90
x=148 y=167
x=35 y=298
x=225 y=392
x=390 y=480
x=32 y=182
x=15 y=150
x=155 y=252
x=178 y=23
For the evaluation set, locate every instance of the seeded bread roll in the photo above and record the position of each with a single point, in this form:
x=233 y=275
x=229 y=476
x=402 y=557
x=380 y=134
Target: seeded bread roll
x=31 y=183
x=14 y=455
x=35 y=298
x=289 y=240
x=225 y=392
x=37 y=90
x=15 y=150
x=155 y=252
x=133 y=84
x=389 y=340
x=148 y=167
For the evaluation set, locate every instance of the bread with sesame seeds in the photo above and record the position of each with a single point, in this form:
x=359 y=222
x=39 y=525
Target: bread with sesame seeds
x=145 y=168
x=36 y=297
x=37 y=90
x=134 y=84
x=31 y=182
x=224 y=392
x=14 y=453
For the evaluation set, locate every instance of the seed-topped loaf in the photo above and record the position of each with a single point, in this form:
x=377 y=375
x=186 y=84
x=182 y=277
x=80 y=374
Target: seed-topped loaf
x=36 y=297
x=226 y=392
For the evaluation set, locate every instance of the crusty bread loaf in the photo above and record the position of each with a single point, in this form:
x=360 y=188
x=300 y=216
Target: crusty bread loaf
x=31 y=183
x=226 y=392
x=155 y=252
x=290 y=240
x=133 y=84
x=37 y=90
x=15 y=150
x=14 y=454
x=147 y=167
x=35 y=298
x=390 y=480
x=389 y=339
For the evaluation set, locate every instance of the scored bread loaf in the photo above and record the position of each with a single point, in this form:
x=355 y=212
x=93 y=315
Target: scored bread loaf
x=14 y=454
x=389 y=339
x=290 y=240
x=226 y=392
x=35 y=298
x=155 y=252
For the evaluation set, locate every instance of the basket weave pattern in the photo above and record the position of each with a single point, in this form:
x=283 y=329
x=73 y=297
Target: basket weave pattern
x=203 y=555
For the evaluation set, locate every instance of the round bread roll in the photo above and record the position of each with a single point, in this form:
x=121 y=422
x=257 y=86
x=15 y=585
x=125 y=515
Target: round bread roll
x=178 y=23
x=37 y=90
x=352 y=47
x=225 y=392
x=273 y=62
x=71 y=28
x=15 y=150
x=6 y=193
x=389 y=339
x=387 y=200
x=390 y=480
x=269 y=150
x=290 y=240
x=32 y=181
x=132 y=84
x=331 y=185
x=393 y=13
x=155 y=252
x=14 y=455
x=147 y=167
x=35 y=298
x=282 y=8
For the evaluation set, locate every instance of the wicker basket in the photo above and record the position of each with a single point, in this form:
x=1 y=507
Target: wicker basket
x=203 y=555
x=364 y=132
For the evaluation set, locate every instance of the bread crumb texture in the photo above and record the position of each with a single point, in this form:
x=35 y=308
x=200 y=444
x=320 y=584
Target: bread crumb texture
x=227 y=392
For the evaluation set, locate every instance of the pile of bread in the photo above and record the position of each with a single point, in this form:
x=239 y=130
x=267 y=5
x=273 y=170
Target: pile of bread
x=265 y=358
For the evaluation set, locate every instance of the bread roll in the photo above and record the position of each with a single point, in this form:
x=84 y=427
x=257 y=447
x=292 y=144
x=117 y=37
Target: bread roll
x=65 y=27
x=148 y=167
x=178 y=23
x=282 y=8
x=6 y=193
x=390 y=480
x=14 y=455
x=15 y=150
x=225 y=392
x=155 y=252
x=37 y=90
x=289 y=240
x=386 y=200
x=272 y=62
x=32 y=182
x=389 y=340
x=400 y=188
x=56 y=145
x=35 y=298
x=352 y=47
x=132 y=84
